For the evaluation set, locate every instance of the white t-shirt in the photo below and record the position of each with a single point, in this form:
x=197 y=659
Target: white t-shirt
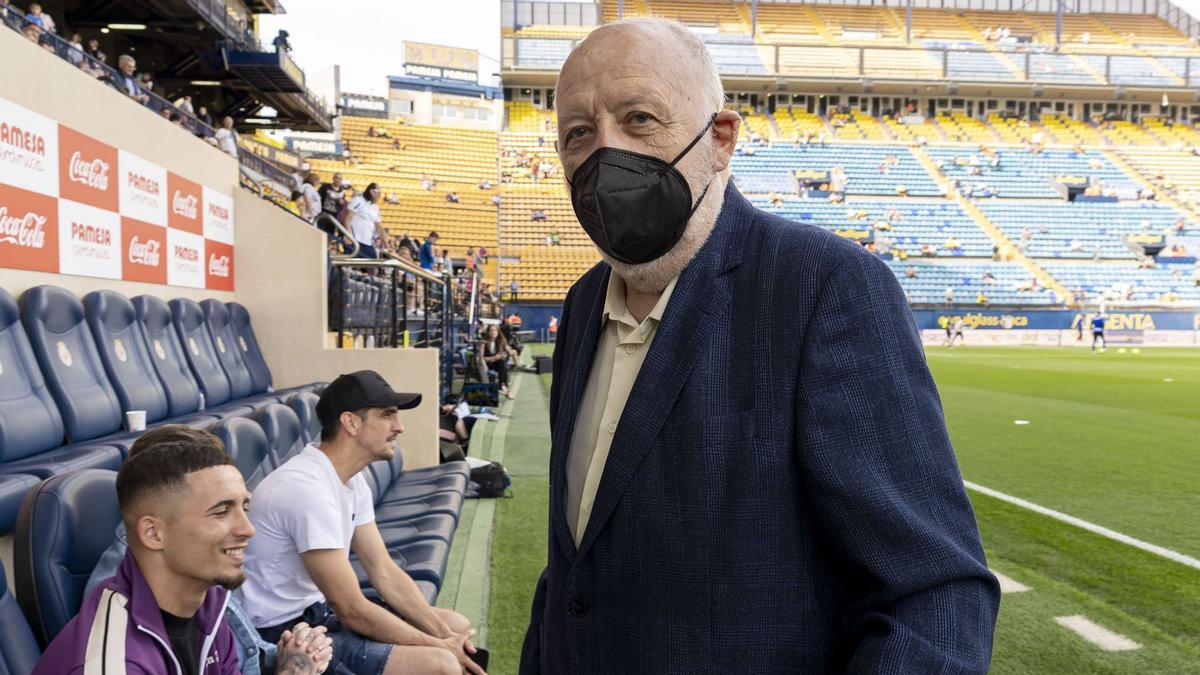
x=227 y=140
x=364 y=215
x=301 y=506
x=312 y=201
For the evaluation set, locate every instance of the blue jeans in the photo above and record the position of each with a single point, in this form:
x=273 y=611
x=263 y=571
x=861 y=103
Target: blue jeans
x=353 y=654
x=366 y=251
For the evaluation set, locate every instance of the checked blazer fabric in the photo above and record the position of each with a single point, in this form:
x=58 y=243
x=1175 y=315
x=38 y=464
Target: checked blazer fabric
x=781 y=494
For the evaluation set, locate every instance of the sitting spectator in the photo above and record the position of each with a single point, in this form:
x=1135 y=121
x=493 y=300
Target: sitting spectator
x=1043 y=229
x=1026 y=234
x=538 y=215
x=32 y=33
x=949 y=295
x=988 y=279
x=496 y=200
x=40 y=19
x=227 y=137
x=126 y=80
x=452 y=197
x=910 y=273
x=485 y=184
x=174 y=587
x=981 y=299
x=184 y=103
x=312 y=512
x=1076 y=246
x=901 y=190
x=146 y=81
x=951 y=244
x=427 y=183
x=928 y=250
x=553 y=239
x=392 y=198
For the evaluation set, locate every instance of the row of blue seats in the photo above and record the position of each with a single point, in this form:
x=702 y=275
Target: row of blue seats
x=70 y=369
x=68 y=521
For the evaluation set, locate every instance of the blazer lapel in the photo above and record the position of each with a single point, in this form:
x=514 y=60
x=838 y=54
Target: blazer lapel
x=576 y=369
x=677 y=345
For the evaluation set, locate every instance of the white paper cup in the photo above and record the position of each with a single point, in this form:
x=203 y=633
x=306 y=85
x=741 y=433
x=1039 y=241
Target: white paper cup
x=135 y=420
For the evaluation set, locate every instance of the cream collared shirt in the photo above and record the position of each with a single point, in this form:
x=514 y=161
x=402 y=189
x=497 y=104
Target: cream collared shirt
x=622 y=348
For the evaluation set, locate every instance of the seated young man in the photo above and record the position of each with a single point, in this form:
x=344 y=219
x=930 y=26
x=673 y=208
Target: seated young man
x=311 y=512
x=293 y=655
x=164 y=611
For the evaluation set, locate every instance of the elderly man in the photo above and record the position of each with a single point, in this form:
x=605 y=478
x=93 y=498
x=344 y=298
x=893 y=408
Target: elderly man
x=750 y=471
x=127 y=81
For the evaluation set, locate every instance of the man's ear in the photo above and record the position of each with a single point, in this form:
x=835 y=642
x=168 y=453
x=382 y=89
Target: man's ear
x=350 y=423
x=150 y=533
x=725 y=129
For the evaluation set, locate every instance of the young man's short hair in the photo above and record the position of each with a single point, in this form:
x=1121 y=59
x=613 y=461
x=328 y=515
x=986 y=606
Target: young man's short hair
x=330 y=431
x=161 y=459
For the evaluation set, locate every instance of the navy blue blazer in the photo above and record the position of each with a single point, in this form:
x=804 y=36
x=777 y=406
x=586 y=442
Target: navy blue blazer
x=781 y=494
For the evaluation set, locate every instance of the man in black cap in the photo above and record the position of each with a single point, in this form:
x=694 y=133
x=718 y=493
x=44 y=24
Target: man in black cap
x=316 y=508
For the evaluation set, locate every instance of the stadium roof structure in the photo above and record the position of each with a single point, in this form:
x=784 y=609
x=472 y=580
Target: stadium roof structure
x=444 y=86
x=209 y=46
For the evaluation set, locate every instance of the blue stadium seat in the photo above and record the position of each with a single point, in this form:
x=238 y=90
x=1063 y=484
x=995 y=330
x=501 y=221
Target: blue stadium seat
x=451 y=476
x=260 y=374
x=183 y=394
x=285 y=436
x=228 y=352
x=424 y=560
x=54 y=319
x=19 y=649
x=13 y=487
x=304 y=404
x=246 y=442
x=123 y=351
x=65 y=524
x=198 y=348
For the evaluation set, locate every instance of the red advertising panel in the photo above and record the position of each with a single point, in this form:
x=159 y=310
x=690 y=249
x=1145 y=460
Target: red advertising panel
x=28 y=230
x=219 y=275
x=88 y=170
x=183 y=211
x=144 y=247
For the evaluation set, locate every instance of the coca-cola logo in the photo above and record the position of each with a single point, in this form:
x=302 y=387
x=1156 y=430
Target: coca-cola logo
x=186 y=253
x=184 y=205
x=144 y=252
x=22 y=139
x=27 y=231
x=218 y=266
x=91 y=234
x=93 y=174
x=139 y=182
x=218 y=211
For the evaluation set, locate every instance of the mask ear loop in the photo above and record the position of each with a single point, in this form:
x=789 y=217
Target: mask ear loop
x=712 y=120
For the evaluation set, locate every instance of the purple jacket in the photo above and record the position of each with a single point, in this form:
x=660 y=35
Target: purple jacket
x=119 y=629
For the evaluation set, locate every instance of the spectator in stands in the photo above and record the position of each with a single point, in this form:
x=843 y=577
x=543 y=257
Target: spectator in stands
x=312 y=512
x=538 y=215
x=910 y=273
x=185 y=501
x=452 y=197
x=928 y=250
x=12 y=17
x=392 y=198
x=93 y=50
x=310 y=203
x=427 y=251
x=74 y=53
x=513 y=289
x=496 y=201
x=126 y=79
x=949 y=295
x=40 y=19
x=281 y=43
x=227 y=137
x=332 y=197
x=184 y=103
x=981 y=298
x=203 y=115
x=146 y=80
x=32 y=33
x=684 y=273
x=364 y=221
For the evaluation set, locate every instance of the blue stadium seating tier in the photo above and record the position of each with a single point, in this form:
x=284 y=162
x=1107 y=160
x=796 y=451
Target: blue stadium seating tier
x=304 y=404
x=285 y=436
x=922 y=222
x=183 y=394
x=1024 y=175
x=65 y=524
x=228 y=353
x=123 y=350
x=13 y=487
x=1074 y=229
x=860 y=162
x=19 y=650
x=1145 y=285
x=933 y=278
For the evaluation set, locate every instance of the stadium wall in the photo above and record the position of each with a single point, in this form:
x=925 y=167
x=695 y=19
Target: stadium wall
x=279 y=266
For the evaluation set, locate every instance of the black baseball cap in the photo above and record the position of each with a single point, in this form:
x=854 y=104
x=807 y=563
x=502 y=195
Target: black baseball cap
x=358 y=390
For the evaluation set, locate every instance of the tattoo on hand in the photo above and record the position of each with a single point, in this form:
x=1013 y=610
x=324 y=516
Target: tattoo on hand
x=296 y=664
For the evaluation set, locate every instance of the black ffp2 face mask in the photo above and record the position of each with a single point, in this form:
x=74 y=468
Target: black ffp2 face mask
x=634 y=207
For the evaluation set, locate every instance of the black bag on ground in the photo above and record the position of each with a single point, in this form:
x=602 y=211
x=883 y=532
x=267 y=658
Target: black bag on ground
x=488 y=481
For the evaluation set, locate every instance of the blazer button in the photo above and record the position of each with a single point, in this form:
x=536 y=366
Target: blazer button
x=577 y=608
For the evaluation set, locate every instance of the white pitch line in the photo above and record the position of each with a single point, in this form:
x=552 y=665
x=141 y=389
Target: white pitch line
x=1096 y=634
x=1009 y=585
x=1090 y=527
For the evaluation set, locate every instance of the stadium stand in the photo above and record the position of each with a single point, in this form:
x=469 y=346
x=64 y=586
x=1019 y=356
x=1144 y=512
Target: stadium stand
x=860 y=162
x=926 y=282
x=1018 y=173
x=1078 y=230
x=1124 y=282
